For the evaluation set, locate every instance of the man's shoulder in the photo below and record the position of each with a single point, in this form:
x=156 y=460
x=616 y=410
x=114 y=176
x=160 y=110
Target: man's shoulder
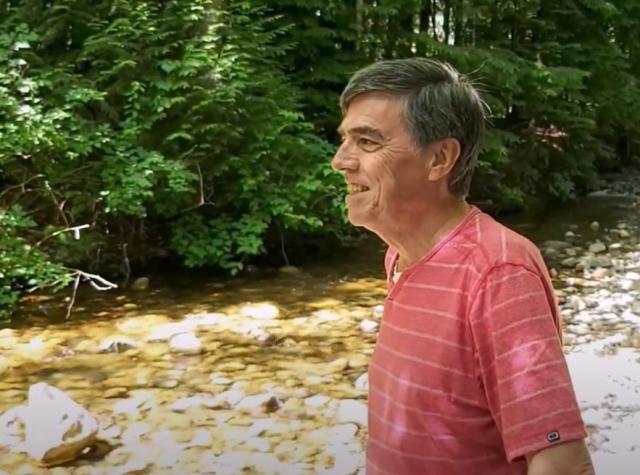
x=497 y=245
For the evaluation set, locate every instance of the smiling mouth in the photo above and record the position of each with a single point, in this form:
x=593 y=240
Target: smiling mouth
x=354 y=188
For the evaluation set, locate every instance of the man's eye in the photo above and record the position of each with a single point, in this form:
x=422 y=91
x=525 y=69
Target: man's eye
x=368 y=145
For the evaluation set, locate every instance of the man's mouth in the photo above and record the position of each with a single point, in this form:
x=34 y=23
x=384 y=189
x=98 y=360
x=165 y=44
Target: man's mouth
x=355 y=188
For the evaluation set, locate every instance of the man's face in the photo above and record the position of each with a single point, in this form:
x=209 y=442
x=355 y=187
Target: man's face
x=387 y=178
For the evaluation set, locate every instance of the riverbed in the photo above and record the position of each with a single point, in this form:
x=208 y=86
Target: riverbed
x=271 y=375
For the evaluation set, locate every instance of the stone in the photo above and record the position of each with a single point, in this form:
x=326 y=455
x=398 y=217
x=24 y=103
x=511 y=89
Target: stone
x=116 y=344
x=113 y=393
x=261 y=426
x=186 y=343
x=57 y=429
x=12 y=429
x=557 y=246
x=167 y=331
x=569 y=234
x=369 y=326
x=206 y=319
x=258 y=443
x=290 y=270
x=352 y=410
x=597 y=248
x=221 y=380
x=570 y=262
x=132 y=434
x=262 y=311
x=316 y=401
x=600 y=261
x=186 y=403
x=141 y=283
x=577 y=303
x=378 y=310
x=362 y=383
x=595 y=226
x=600 y=273
x=358 y=361
x=224 y=400
x=259 y=404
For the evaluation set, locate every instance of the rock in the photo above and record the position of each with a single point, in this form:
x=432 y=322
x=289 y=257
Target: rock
x=206 y=319
x=224 y=400
x=202 y=438
x=113 y=393
x=141 y=283
x=317 y=401
x=362 y=383
x=378 y=310
x=187 y=343
x=351 y=410
x=290 y=270
x=358 y=361
x=570 y=262
x=557 y=246
x=577 y=304
x=57 y=429
x=632 y=276
x=569 y=234
x=261 y=426
x=259 y=404
x=262 y=311
x=221 y=380
x=326 y=315
x=600 y=273
x=116 y=344
x=597 y=248
x=132 y=434
x=12 y=429
x=258 y=443
x=369 y=326
x=600 y=261
x=186 y=403
x=169 y=330
x=595 y=226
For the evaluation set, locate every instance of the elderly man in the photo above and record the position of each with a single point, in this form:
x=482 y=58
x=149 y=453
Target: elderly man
x=468 y=374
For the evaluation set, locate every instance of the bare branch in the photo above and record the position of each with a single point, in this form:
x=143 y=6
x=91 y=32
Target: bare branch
x=74 y=229
x=21 y=185
x=57 y=203
x=73 y=297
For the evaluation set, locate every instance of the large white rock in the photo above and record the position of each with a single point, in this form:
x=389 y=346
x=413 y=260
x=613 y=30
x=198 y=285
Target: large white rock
x=57 y=429
x=351 y=410
x=261 y=311
x=187 y=343
x=12 y=428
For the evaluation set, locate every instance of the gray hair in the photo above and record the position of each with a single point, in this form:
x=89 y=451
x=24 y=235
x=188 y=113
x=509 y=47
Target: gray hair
x=439 y=103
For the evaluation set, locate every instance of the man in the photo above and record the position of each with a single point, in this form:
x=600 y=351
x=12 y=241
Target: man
x=468 y=374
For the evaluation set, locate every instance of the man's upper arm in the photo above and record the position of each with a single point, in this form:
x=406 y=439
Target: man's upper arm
x=569 y=458
x=520 y=362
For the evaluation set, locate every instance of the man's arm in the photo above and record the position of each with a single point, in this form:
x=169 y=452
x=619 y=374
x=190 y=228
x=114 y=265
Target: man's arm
x=569 y=458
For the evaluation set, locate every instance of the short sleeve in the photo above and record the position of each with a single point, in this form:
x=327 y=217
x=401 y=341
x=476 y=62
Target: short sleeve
x=514 y=323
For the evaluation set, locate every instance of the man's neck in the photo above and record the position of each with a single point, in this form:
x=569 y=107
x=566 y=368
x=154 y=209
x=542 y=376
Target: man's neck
x=417 y=238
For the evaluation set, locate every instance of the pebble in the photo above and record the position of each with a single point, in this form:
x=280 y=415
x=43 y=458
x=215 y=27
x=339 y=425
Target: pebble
x=187 y=343
x=369 y=326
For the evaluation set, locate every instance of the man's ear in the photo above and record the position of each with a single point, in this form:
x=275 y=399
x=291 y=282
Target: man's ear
x=444 y=155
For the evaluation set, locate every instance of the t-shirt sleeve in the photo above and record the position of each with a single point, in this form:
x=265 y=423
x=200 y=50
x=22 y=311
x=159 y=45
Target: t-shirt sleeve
x=519 y=358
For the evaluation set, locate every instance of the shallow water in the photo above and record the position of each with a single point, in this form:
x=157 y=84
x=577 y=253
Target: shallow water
x=317 y=346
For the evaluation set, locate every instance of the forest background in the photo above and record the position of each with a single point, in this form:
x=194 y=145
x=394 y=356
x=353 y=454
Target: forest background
x=200 y=132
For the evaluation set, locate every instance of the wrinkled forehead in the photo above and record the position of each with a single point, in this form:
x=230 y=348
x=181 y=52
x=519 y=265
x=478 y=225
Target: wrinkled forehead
x=379 y=111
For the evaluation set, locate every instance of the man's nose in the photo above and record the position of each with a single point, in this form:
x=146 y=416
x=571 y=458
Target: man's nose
x=344 y=159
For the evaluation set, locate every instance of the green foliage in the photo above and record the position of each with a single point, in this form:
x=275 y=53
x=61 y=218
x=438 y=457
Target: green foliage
x=22 y=266
x=204 y=127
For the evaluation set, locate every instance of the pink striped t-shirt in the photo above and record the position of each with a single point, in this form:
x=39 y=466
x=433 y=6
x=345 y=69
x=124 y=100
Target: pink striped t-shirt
x=468 y=373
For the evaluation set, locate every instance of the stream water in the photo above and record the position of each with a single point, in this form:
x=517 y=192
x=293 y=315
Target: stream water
x=275 y=380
